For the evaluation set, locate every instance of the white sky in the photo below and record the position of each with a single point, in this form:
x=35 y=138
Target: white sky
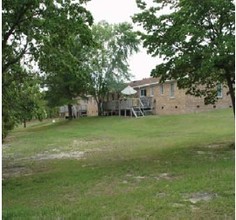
x=117 y=11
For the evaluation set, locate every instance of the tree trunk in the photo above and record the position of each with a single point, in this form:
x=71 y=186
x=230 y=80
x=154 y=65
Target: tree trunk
x=231 y=91
x=100 y=109
x=70 y=111
x=24 y=123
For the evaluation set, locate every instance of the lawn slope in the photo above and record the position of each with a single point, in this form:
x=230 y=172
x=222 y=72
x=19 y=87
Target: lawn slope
x=156 y=167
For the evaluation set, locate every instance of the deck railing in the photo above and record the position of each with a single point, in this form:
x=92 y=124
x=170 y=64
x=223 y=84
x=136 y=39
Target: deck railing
x=147 y=102
x=143 y=102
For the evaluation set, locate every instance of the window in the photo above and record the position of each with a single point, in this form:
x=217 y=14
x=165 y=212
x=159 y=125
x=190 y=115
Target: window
x=143 y=92
x=151 y=91
x=219 y=91
x=161 y=89
x=172 y=90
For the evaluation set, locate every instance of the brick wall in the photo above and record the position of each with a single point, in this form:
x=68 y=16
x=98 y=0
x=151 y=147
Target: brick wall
x=196 y=104
x=168 y=99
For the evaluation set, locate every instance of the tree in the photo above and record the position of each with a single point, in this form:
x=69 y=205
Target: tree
x=31 y=104
x=21 y=99
x=196 y=39
x=27 y=28
x=66 y=76
x=27 y=24
x=108 y=61
x=62 y=57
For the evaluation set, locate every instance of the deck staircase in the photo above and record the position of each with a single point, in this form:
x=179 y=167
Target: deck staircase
x=137 y=112
x=145 y=105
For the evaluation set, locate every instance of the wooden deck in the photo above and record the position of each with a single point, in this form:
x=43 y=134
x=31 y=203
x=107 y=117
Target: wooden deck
x=124 y=107
x=128 y=107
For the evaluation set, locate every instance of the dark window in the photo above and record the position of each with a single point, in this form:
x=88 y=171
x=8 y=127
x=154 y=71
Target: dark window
x=143 y=92
x=152 y=91
x=172 y=90
x=161 y=89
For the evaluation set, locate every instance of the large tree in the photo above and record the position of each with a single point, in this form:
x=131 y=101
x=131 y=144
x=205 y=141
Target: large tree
x=196 y=39
x=27 y=24
x=62 y=59
x=108 y=61
x=28 y=27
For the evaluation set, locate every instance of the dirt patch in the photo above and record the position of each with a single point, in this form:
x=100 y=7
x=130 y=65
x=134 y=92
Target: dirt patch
x=161 y=176
x=177 y=205
x=140 y=177
x=216 y=145
x=201 y=152
x=161 y=195
x=89 y=142
x=165 y=176
x=78 y=143
x=15 y=171
x=5 y=146
x=221 y=146
x=62 y=155
x=199 y=196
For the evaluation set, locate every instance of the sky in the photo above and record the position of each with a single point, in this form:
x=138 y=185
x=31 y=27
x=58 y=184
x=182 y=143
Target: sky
x=117 y=11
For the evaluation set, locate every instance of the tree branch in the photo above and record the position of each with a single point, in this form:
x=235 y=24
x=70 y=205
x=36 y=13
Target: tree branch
x=18 y=20
x=17 y=58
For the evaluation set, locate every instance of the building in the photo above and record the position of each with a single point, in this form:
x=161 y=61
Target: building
x=83 y=107
x=152 y=97
x=166 y=98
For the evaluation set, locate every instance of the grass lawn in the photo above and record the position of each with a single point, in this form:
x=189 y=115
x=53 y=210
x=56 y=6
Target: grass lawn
x=155 y=167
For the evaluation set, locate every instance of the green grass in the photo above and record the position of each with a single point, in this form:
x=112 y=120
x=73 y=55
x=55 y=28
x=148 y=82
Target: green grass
x=147 y=168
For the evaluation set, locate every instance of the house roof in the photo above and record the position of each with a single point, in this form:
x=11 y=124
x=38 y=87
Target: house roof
x=144 y=82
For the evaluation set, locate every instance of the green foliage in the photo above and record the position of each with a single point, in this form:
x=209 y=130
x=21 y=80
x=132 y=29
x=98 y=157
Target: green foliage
x=31 y=104
x=196 y=39
x=52 y=112
x=66 y=76
x=108 y=61
x=62 y=55
x=31 y=31
x=21 y=99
